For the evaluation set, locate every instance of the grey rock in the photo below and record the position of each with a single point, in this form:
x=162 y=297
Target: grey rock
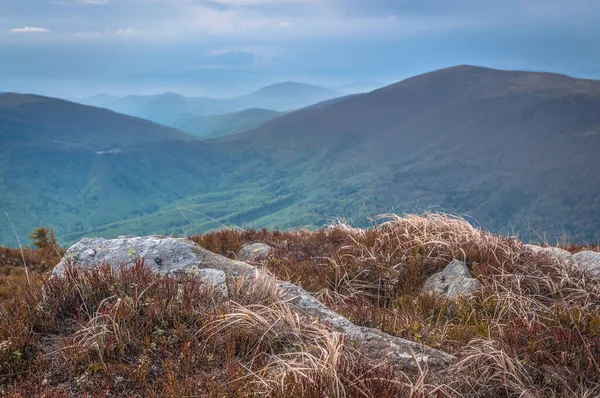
x=254 y=253
x=180 y=255
x=453 y=281
x=214 y=280
x=553 y=252
x=372 y=343
x=165 y=255
x=589 y=261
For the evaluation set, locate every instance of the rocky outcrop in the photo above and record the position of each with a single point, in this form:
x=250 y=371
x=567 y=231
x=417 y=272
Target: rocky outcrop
x=589 y=261
x=552 y=252
x=255 y=252
x=173 y=255
x=453 y=281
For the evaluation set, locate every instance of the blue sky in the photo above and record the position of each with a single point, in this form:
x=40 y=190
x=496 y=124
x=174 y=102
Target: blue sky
x=72 y=48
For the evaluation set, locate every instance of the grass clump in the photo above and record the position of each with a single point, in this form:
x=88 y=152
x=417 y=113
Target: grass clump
x=535 y=316
x=131 y=332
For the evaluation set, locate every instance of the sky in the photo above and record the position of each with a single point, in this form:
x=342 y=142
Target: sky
x=221 y=48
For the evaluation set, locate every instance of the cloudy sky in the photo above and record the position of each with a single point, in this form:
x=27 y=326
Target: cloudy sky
x=73 y=48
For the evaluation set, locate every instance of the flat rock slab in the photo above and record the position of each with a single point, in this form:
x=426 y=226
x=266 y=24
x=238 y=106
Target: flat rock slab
x=254 y=253
x=453 y=281
x=173 y=255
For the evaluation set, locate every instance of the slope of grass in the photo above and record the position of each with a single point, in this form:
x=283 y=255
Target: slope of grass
x=532 y=331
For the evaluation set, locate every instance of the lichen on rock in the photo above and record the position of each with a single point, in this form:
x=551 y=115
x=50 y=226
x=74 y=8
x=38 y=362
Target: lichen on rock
x=254 y=252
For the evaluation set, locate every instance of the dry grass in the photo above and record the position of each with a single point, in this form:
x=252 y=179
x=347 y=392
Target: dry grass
x=532 y=331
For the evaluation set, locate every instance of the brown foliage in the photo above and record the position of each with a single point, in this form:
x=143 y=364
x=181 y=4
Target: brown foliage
x=532 y=331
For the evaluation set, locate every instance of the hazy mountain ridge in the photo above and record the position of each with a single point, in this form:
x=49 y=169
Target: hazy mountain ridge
x=171 y=108
x=511 y=149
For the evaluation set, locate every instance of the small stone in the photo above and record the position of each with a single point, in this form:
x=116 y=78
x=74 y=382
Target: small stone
x=453 y=281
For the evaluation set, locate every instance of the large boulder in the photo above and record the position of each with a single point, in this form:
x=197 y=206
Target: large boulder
x=254 y=252
x=453 y=281
x=173 y=255
x=589 y=261
x=165 y=255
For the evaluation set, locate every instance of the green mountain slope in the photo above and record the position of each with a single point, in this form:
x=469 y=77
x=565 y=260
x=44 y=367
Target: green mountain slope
x=74 y=167
x=508 y=148
x=512 y=149
x=223 y=125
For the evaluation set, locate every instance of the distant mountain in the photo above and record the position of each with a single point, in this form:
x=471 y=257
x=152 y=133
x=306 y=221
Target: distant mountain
x=223 y=125
x=286 y=96
x=512 y=149
x=170 y=109
x=166 y=108
x=54 y=123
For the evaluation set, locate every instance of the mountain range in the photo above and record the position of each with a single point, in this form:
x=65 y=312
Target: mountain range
x=517 y=151
x=172 y=109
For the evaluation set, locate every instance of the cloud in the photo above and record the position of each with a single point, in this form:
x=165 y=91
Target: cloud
x=283 y=24
x=126 y=32
x=29 y=29
x=107 y=33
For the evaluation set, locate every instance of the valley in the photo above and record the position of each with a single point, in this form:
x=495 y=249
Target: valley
x=514 y=151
